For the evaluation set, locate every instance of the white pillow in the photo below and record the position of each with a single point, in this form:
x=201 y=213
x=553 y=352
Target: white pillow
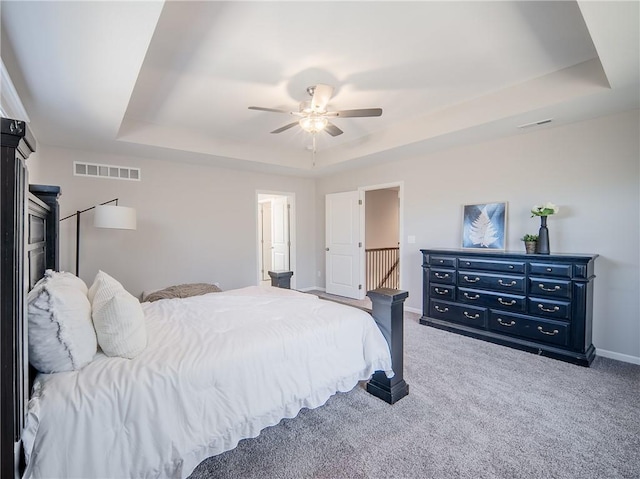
x=63 y=277
x=120 y=327
x=117 y=317
x=107 y=286
x=61 y=334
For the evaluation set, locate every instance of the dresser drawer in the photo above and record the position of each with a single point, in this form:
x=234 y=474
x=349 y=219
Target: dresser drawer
x=443 y=276
x=443 y=261
x=469 y=315
x=491 y=265
x=550 y=308
x=442 y=291
x=549 y=332
x=500 y=282
x=550 y=269
x=507 y=302
x=556 y=288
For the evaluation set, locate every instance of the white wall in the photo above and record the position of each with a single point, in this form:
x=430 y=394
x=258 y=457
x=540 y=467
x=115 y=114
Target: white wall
x=590 y=169
x=195 y=223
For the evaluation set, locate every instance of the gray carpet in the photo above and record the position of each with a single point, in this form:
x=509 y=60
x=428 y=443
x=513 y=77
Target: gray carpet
x=474 y=410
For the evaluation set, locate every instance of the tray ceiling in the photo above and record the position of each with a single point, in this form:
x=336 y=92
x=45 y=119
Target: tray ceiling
x=173 y=79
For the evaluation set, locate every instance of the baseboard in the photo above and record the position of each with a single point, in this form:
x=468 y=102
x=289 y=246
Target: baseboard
x=413 y=310
x=312 y=288
x=626 y=358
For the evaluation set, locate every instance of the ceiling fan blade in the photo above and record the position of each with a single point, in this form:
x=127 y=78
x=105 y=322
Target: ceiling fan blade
x=285 y=127
x=333 y=130
x=321 y=96
x=356 y=113
x=276 y=110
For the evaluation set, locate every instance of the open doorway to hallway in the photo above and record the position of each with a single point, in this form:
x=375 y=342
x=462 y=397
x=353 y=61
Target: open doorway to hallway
x=275 y=241
x=363 y=230
x=382 y=238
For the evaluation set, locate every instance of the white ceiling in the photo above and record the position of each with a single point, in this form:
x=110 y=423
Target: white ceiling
x=173 y=79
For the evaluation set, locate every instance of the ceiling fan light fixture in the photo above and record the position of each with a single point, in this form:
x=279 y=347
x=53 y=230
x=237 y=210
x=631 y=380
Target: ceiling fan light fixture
x=313 y=124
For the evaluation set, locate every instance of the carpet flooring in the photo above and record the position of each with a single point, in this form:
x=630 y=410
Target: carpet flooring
x=474 y=410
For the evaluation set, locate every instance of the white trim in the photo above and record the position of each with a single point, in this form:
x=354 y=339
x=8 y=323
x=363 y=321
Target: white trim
x=291 y=197
x=413 y=310
x=618 y=356
x=10 y=102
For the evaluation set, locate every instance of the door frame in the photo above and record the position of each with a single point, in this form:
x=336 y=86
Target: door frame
x=363 y=229
x=291 y=199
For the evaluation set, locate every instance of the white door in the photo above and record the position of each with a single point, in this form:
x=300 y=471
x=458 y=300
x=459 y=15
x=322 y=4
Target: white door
x=280 y=234
x=343 y=245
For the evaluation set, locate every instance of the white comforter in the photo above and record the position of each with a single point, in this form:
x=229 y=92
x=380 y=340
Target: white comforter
x=218 y=368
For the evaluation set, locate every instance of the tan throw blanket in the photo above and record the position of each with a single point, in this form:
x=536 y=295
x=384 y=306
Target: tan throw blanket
x=183 y=291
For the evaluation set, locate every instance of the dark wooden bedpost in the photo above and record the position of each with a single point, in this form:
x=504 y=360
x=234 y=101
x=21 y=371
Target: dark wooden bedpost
x=389 y=315
x=281 y=279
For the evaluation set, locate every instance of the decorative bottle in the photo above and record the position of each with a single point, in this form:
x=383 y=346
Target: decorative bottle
x=542 y=246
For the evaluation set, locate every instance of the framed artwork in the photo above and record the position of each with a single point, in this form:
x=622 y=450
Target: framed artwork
x=484 y=226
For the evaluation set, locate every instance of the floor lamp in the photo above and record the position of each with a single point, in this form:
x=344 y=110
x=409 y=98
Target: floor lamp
x=107 y=216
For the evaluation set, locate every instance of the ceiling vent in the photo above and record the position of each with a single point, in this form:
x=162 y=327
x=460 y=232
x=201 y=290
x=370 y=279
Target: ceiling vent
x=111 y=172
x=536 y=123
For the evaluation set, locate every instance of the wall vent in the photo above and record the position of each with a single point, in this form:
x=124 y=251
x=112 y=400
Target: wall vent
x=111 y=172
x=536 y=123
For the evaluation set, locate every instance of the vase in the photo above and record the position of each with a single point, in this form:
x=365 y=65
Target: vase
x=530 y=246
x=542 y=246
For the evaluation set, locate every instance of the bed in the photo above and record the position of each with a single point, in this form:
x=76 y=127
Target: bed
x=215 y=368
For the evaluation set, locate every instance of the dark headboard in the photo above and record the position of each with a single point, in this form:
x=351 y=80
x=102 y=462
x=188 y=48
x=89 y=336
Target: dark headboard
x=42 y=231
x=29 y=246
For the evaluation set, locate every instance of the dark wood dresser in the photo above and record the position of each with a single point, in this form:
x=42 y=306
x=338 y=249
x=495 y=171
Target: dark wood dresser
x=537 y=303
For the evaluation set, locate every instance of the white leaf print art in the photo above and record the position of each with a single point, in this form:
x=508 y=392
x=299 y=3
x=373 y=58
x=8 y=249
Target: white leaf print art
x=482 y=231
x=484 y=226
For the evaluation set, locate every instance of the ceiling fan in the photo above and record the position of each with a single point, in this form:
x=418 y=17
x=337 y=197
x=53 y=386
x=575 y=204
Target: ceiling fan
x=313 y=113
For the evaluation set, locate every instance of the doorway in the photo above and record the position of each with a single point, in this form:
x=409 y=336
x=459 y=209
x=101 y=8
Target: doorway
x=382 y=238
x=363 y=231
x=275 y=238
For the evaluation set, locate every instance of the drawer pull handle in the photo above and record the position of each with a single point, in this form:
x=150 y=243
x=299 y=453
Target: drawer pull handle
x=509 y=303
x=442 y=291
x=549 y=270
x=555 y=288
x=546 y=310
x=552 y=333
x=475 y=316
x=441 y=310
x=470 y=280
x=466 y=295
x=467 y=263
x=510 y=266
x=512 y=283
x=509 y=324
x=442 y=276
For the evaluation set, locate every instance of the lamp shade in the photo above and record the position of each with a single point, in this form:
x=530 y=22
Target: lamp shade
x=120 y=217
